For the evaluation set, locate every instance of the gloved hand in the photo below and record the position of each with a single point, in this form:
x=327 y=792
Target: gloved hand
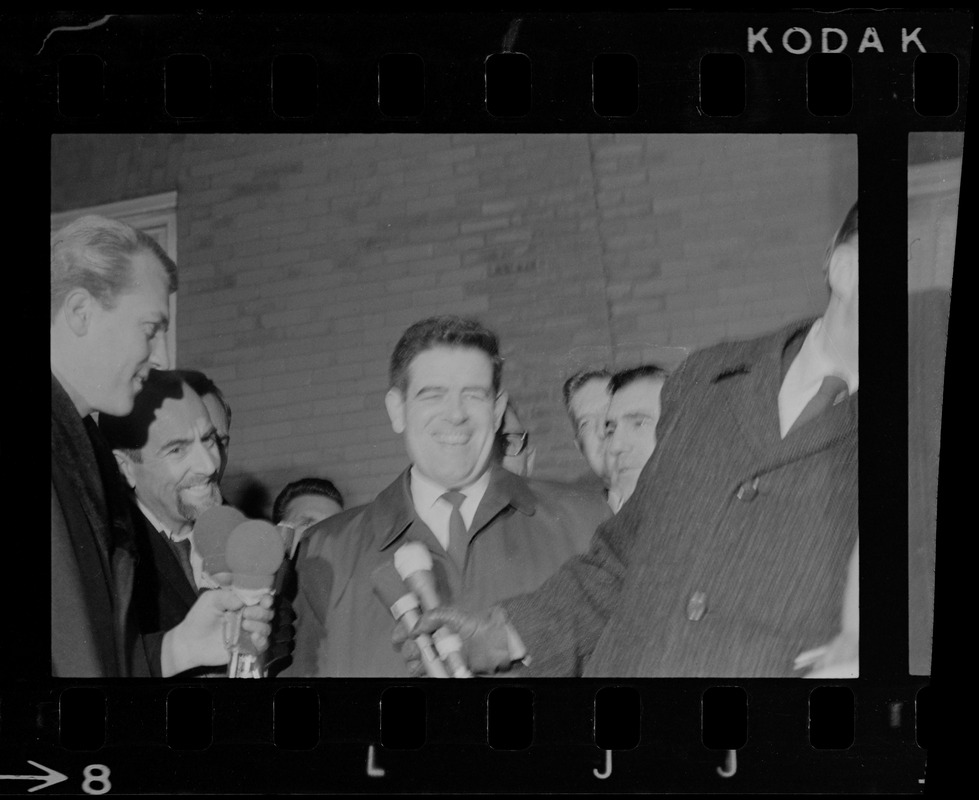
x=489 y=643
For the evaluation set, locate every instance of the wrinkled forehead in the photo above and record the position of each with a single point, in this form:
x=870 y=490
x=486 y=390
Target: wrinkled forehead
x=445 y=365
x=590 y=398
x=311 y=505
x=640 y=396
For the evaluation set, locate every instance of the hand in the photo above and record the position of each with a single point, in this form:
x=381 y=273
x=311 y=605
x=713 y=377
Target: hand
x=486 y=638
x=839 y=659
x=198 y=640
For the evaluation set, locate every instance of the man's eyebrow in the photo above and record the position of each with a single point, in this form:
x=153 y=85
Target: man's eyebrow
x=173 y=443
x=430 y=389
x=159 y=319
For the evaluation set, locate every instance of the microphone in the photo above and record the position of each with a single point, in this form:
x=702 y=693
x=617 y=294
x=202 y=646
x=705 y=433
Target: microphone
x=404 y=606
x=253 y=553
x=211 y=532
x=414 y=564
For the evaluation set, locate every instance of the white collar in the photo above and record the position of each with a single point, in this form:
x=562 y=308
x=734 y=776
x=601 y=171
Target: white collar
x=818 y=358
x=159 y=525
x=425 y=492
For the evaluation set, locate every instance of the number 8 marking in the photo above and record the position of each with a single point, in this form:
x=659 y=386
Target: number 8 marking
x=96 y=774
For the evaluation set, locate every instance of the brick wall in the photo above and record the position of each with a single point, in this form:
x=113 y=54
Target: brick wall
x=303 y=258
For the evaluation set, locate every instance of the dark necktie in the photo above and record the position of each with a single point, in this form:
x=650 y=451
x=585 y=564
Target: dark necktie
x=823 y=399
x=181 y=547
x=457 y=529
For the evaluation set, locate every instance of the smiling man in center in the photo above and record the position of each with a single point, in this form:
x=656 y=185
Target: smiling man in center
x=445 y=399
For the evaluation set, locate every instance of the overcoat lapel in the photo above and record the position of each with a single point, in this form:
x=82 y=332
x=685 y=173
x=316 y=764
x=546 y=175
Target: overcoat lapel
x=749 y=386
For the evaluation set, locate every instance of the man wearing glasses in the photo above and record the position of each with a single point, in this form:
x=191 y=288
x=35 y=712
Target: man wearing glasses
x=490 y=532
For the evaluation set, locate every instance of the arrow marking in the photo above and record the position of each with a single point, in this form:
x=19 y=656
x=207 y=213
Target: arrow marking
x=50 y=778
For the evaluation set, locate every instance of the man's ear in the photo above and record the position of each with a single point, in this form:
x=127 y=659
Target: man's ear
x=842 y=273
x=77 y=310
x=499 y=409
x=394 y=401
x=125 y=467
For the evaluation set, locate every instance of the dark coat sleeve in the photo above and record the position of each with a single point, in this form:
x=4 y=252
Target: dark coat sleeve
x=312 y=588
x=561 y=622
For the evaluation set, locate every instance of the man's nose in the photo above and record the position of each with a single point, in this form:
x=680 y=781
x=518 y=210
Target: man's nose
x=455 y=409
x=159 y=357
x=617 y=441
x=207 y=458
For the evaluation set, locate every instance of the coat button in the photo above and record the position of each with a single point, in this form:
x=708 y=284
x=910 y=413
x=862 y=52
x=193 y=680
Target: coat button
x=748 y=490
x=696 y=606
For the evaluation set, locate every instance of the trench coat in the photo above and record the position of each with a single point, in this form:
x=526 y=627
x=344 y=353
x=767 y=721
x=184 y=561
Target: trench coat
x=523 y=530
x=730 y=558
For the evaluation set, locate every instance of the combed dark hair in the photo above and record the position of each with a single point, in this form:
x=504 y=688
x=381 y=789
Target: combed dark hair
x=95 y=253
x=302 y=487
x=203 y=385
x=579 y=379
x=624 y=377
x=444 y=331
x=131 y=432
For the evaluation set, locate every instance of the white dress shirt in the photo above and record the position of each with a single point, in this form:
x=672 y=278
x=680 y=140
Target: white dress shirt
x=426 y=495
x=816 y=359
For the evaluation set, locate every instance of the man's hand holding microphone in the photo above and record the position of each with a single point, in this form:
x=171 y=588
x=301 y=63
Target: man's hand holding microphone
x=481 y=643
x=232 y=622
x=199 y=639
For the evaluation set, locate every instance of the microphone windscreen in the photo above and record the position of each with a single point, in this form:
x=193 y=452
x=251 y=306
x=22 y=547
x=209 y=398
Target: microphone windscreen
x=388 y=585
x=412 y=557
x=211 y=532
x=254 y=553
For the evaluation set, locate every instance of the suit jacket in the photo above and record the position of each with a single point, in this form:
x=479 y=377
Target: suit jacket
x=522 y=532
x=93 y=631
x=162 y=595
x=731 y=556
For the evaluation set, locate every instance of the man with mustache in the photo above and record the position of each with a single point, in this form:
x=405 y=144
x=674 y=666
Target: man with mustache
x=168 y=453
x=491 y=533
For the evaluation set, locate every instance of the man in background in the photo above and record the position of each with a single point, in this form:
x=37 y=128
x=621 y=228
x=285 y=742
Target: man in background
x=630 y=428
x=110 y=287
x=305 y=502
x=586 y=400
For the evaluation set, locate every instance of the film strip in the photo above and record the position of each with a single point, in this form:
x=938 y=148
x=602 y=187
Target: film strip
x=881 y=78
